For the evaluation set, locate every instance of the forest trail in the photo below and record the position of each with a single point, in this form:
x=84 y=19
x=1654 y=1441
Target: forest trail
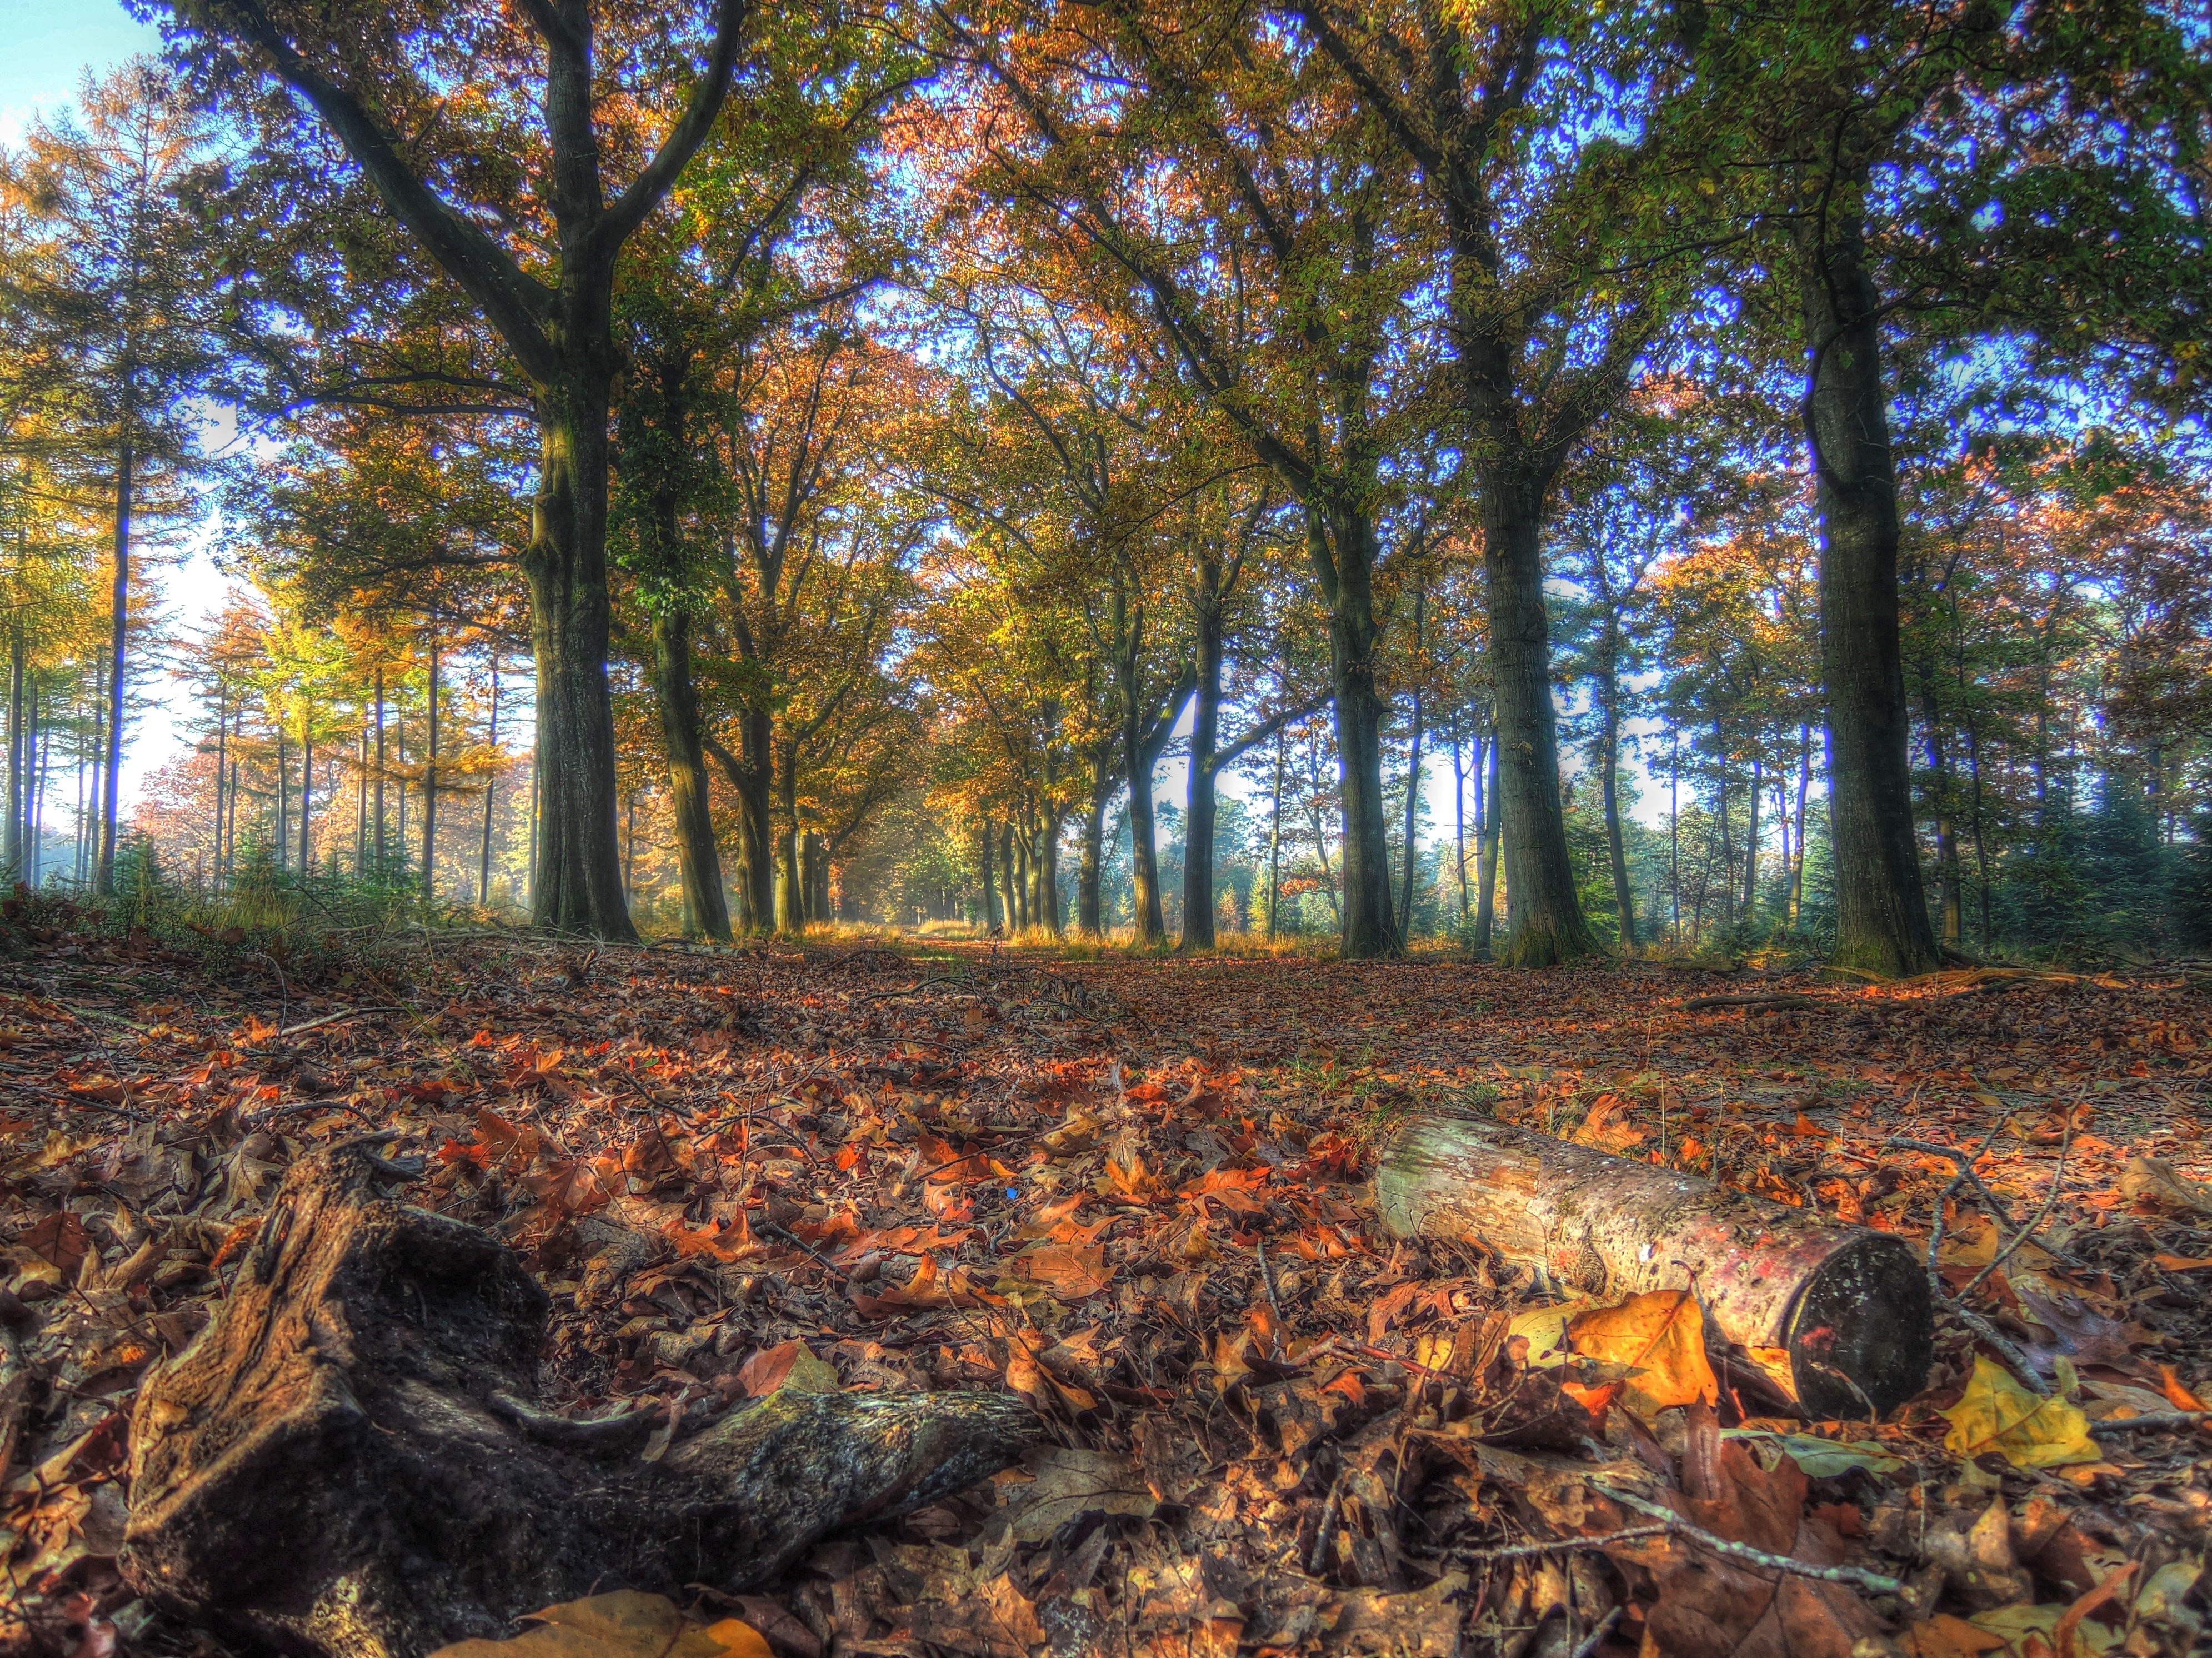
x=1134 y=1191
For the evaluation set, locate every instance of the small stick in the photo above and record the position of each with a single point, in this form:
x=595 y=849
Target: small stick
x=1267 y=1278
x=2157 y=1422
x=2058 y=1185
x=1590 y=1641
x=1563 y=1545
x=2016 y=1360
x=1854 y=1576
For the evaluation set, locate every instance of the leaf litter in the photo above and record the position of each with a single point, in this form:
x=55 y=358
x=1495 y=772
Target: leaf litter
x=1135 y=1192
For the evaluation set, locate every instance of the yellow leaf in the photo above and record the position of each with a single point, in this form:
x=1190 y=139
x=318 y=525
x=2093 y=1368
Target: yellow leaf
x=1997 y=1413
x=624 y=1624
x=1545 y=1330
x=1662 y=1333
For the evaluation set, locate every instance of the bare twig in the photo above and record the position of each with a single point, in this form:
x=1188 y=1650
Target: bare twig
x=2016 y=1360
x=1267 y=1278
x=1858 y=1577
x=2035 y=1224
x=1563 y=1545
x=2157 y=1422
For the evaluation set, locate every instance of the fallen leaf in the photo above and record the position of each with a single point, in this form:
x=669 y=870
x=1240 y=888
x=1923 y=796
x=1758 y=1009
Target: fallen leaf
x=2156 y=1187
x=1069 y=1483
x=624 y=1624
x=1069 y=1271
x=1662 y=1333
x=1995 y=1413
x=790 y=1365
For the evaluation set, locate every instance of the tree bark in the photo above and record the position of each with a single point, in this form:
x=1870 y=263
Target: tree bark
x=1485 y=859
x=1609 y=777
x=491 y=790
x=1548 y=925
x=429 y=783
x=1881 y=909
x=1413 y=773
x=1948 y=878
x=1199 y=796
x=1751 y=846
x=13 y=853
x=120 y=595
x=1090 y=873
x=577 y=887
x=348 y=1460
x=1850 y=1306
x=307 y=788
x=698 y=858
x=1341 y=543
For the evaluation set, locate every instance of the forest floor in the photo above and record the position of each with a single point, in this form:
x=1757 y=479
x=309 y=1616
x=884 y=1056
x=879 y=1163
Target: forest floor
x=1135 y=1190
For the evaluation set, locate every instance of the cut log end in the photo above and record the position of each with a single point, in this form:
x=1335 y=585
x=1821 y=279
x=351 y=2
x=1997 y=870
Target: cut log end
x=1850 y=1306
x=1862 y=1329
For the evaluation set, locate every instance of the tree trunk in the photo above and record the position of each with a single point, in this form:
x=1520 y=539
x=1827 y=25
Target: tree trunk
x=1954 y=898
x=1090 y=873
x=491 y=790
x=1881 y=910
x=1548 y=925
x=430 y=784
x=1849 y=1306
x=308 y=790
x=1413 y=776
x=1751 y=846
x=12 y=853
x=381 y=852
x=1046 y=867
x=1201 y=799
x=578 y=884
x=1275 y=835
x=790 y=911
x=348 y=1461
x=283 y=800
x=222 y=769
x=1459 y=813
x=1804 y=786
x=104 y=876
x=1137 y=759
x=1344 y=543
x=1624 y=901
x=987 y=853
x=698 y=859
x=1487 y=860
x=1018 y=884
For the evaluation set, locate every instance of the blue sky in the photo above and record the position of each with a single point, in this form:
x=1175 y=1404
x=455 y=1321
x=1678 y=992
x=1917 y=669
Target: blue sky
x=47 y=46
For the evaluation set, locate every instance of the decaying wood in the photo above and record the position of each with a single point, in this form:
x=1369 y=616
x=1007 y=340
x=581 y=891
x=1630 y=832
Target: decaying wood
x=1850 y=1305
x=347 y=1461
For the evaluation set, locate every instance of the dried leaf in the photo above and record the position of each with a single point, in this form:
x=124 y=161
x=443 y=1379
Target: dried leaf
x=1997 y=1413
x=624 y=1624
x=1662 y=1334
x=1070 y=1484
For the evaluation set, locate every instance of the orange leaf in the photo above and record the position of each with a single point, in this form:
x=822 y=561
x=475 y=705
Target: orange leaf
x=731 y=1244
x=1069 y=1270
x=1805 y=1129
x=1662 y=1334
x=2177 y=1391
x=2070 y=1624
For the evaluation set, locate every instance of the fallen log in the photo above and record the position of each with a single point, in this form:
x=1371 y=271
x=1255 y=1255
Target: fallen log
x=1850 y=1306
x=348 y=1460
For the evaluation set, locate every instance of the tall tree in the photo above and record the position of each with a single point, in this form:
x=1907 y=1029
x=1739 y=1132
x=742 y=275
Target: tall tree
x=130 y=320
x=517 y=139
x=1564 y=266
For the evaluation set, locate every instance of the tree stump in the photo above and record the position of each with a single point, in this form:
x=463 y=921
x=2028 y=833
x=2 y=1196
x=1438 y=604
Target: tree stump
x=1850 y=1305
x=347 y=1461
